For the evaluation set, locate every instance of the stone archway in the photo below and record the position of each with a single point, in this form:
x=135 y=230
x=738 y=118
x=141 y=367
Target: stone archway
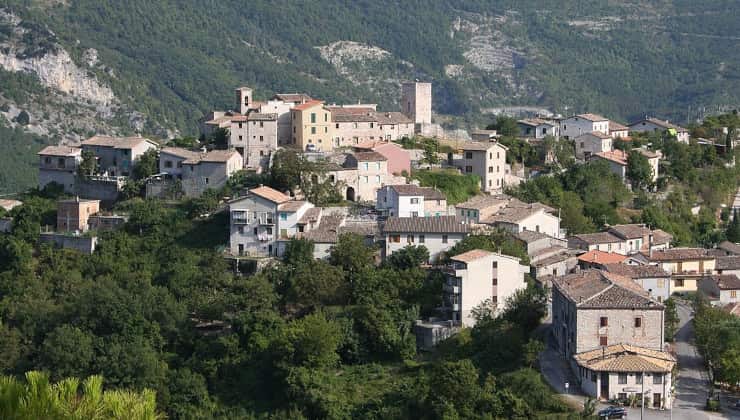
x=350 y=194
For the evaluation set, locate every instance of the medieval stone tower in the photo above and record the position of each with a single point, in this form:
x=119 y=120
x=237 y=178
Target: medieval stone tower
x=416 y=101
x=243 y=99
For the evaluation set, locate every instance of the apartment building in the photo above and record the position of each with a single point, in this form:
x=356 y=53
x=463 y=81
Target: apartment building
x=410 y=201
x=686 y=265
x=262 y=217
x=480 y=278
x=577 y=125
x=313 y=129
x=487 y=161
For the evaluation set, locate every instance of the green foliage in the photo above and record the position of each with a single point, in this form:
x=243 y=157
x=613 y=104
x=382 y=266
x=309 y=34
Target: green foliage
x=456 y=187
x=733 y=228
x=671 y=319
x=147 y=165
x=38 y=398
x=639 y=171
x=718 y=339
x=505 y=126
x=18 y=160
x=497 y=241
x=89 y=165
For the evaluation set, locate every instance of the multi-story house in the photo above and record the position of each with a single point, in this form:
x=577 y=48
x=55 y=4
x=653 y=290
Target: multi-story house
x=656 y=125
x=399 y=159
x=481 y=207
x=73 y=215
x=354 y=125
x=488 y=161
x=601 y=241
x=480 y=278
x=590 y=144
x=548 y=256
x=409 y=200
x=281 y=109
x=618 y=131
x=652 y=278
x=117 y=155
x=612 y=332
x=686 y=265
x=59 y=164
x=638 y=237
x=313 y=129
x=728 y=264
x=537 y=128
x=262 y=217
x=578 y=125
x=437 y=234
x=721 y=289
x=255 y=137
x=617 y=160
x=518 y=216
x=199 y=170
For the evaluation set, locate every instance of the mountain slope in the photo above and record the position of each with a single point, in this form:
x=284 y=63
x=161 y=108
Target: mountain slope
x=170 y=61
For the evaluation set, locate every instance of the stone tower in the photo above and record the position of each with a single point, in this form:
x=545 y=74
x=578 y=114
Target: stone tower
x=243 y=99
x=416 y=101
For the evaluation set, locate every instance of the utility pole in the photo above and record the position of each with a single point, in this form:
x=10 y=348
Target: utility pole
x=642 y=396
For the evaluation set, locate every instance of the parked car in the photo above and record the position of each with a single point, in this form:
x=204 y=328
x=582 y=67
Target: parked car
x=310 y=147
x=613 y=413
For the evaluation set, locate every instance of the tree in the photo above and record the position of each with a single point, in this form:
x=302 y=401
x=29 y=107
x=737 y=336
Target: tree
x=298 y=251
x=89 y=164
x=40 y=399
x=430 y=153
x=219 y=138
x=23 y=118
x=733 y=228
x=671 y=319
x=505 y=126
x=408 y=257
x=351 y=254
x=146 y=166
x=639 y=171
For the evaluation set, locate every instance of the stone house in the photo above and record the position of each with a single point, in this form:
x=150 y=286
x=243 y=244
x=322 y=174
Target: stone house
x=597 y=259
x=477 y=278
x=600 y=241
x=255 y=137
x=73 y=215
x=548 y=256
x=618 y=131
x=117 y=156
x=437 y=234
x=488 y=161
x=518 y=216
x=590 y=144
x=59 y=164
x=199 y=171
x=481 y=207
x=721 y=289
x=729 y=264
x=611 y=331
x=577 y=125
x=483 y=135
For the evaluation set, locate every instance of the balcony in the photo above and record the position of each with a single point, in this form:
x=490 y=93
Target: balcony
x=269 y=221
x=449 y=288
x=239 y=218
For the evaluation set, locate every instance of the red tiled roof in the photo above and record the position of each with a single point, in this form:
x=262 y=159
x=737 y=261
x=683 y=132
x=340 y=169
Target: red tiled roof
x=600 y=257
x=270 y=194
x=308 y=105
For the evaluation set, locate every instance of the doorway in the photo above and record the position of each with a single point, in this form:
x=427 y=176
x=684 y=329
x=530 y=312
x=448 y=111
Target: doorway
x=604 y=385
x=350 y=194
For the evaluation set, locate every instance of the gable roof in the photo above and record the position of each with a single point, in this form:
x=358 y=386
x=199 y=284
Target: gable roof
x=615 y=126
x=630 y=231
x=725 y=281
x=515 y=211
x=733 y=308
x=730 y=262
x=597 y=134
x=478 y=146
x=483 y=201
x=292 y=206
x=600 y=257
x=534 y=122
x=594 y=289
x=60 y=151
x=590 y=117
x=626 y=358
x=665 y=124
x=369 y=157
x=597 y=238
x=180 y=152
x=428 y=193
x=116 y=142
x=292 y=97
x=730 y=247
x=636 y=271
x=214 y=156
x=678 y=254
x=439 y=224
x=270 y=194
x=307 y=105
x=471 y=255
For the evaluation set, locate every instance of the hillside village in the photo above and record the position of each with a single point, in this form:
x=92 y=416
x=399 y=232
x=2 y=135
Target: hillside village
x=582 y=208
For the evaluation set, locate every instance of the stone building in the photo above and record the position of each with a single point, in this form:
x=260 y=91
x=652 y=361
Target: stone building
x=416 y=102
x=59 y=164
x=117 y=156
x=73 y=215
x=437 y=234
x=487 y=161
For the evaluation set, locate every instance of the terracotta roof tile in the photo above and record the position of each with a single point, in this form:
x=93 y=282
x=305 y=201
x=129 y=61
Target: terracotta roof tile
x=592 y=117
x=308 y=105
x=598 y=238
x=730 y=262
x=472 y=255
x=60 y=151
x=292 y=206
x=592 y=289
x=369 y=157
x=441 y=224
x=630 y=231
x=626 y=358
x=636 y=271
x=600 y=257
x=115 y=142
x=270 y=194
x=679 y=254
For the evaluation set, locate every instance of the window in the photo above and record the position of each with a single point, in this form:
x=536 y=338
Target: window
x=593 y=376
x=255 y=231
x=377 y=179
x=326 y=117
x=622 y=380
x=283 y=216
x=366 y=166
x=240 y=125
x=337 y=126
x=313 y=130
x=365 y=179
x=622 y=395
x=167 y=163
x=410 y=239
x=421 y=239
x=661 y=283
x=603 y=321
x=468 y=169
x=444 y=239
x=638 y=378
x=678 y=282
x=47 y=160
x=603 y=341
x=262 y=138
x=395 y=238
x=733 y=293
x=414 y=201
x=313 y=118
x=206 y=181
x=657 y=378
x=262 y=124
x=268 y=231
x=638 y=322
x=468 y=155
x=372 y=125
x=494 y=299
x=414 y=214
x=490 y=169
x=326 y=129
x=494 y=282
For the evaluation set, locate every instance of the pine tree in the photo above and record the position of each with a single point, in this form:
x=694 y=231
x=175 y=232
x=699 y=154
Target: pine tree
x=733 y=229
